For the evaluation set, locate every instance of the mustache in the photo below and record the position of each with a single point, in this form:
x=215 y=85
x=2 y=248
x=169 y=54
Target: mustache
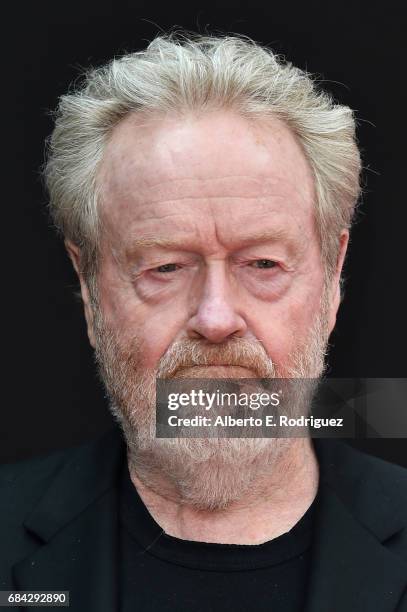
x=236 y=352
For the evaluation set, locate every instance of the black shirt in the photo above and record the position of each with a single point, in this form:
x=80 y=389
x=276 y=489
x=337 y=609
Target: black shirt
x=160 y=572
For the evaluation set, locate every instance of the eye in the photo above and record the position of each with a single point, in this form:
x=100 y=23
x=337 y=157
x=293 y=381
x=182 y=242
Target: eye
x=165 y=268
x=265 y=264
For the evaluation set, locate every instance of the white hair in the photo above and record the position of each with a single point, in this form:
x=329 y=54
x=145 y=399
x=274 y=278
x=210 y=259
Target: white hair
x=184 y=72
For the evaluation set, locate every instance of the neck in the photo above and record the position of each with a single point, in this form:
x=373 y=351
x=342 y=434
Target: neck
x=275 y=503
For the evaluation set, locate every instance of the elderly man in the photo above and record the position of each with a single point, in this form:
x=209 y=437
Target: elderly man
x=205 y=190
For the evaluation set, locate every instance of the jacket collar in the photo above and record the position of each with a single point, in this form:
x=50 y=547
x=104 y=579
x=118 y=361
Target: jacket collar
x=352 y=569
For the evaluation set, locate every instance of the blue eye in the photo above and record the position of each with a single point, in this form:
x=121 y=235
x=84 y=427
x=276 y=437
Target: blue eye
x=266 y=263
x=165 y=268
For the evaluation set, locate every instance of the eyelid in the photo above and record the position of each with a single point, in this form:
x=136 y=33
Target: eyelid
x=252 y=260
x=165 y=264
x=143 y=269
x=273 y=261
x=280 y=265
x=242 y=261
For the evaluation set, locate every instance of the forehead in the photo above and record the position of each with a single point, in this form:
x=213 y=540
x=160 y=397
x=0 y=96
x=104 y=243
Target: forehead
x=220 y=165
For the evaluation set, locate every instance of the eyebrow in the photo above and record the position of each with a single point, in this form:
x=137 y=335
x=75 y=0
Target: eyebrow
x=167 y=242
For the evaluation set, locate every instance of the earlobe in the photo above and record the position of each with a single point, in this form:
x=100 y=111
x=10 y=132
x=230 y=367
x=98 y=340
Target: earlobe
x=75 y=256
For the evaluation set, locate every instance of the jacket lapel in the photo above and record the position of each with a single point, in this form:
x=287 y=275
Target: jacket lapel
x=77 y=533
x=352 y=569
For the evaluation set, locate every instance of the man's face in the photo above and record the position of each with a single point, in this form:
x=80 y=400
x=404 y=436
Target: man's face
x=236 y=203
x=210 y=267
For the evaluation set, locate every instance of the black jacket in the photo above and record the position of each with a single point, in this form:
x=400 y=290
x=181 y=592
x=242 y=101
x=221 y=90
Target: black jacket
x=58 y=528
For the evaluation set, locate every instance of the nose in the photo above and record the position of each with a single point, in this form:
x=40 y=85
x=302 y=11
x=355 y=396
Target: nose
x=216 y=317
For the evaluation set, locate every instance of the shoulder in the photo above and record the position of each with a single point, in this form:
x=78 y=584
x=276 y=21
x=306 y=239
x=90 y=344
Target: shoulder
x=354 y=471
x=23 y=483
x=372 y=489
x=38 y=496
x=12 y=472
x=339 y=457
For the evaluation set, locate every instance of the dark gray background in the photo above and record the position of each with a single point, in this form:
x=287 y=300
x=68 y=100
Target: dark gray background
x=51 y=397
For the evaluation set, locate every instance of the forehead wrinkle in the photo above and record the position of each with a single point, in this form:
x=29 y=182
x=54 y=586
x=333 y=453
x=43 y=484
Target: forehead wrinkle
x=149 y=241
x=260 y=180
x=136 y=176
x=186 y=188
x=206 y=197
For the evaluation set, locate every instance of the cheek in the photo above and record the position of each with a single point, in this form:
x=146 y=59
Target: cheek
x=157 y=333
x=155 y=328
x=283 y=327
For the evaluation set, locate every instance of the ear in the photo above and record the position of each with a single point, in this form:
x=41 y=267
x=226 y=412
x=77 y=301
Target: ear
x=75 y=256
x=335 y=282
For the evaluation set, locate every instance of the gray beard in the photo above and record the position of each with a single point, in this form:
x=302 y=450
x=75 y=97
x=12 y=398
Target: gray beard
x=209 y=473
